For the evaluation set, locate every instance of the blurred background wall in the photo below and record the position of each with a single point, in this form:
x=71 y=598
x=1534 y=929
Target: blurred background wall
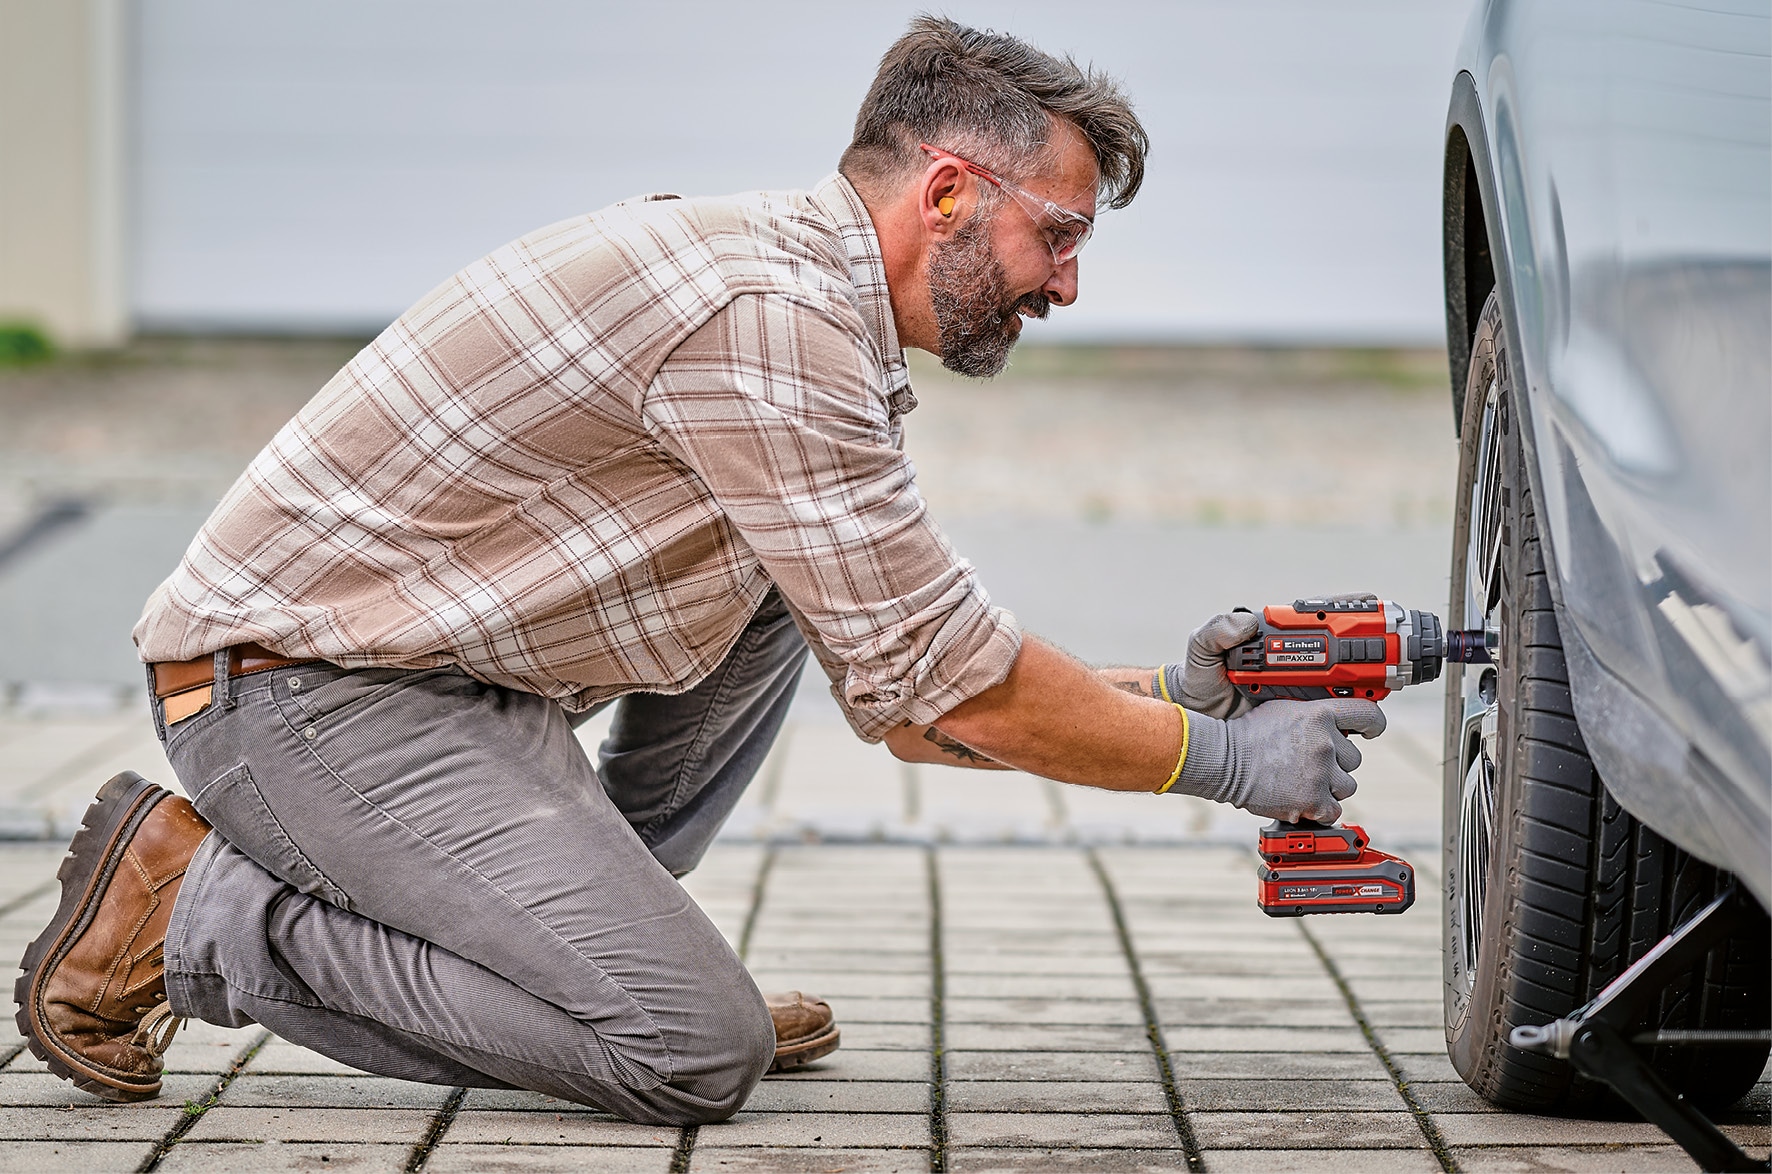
x=216 y=165
x=63 y=151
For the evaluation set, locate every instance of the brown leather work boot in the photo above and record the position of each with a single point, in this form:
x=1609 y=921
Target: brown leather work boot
x=805 y=1029
x=92 y=1001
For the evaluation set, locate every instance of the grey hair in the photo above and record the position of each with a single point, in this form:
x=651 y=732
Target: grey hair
x=991 y=98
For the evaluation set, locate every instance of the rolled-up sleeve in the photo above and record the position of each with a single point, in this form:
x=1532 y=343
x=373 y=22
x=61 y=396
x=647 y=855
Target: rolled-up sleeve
x=776 y=404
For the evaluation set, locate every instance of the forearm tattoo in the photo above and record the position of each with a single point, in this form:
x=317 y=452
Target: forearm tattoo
x=953 y=747
x=1138 y=682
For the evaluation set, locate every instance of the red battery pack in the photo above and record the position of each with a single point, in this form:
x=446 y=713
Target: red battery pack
x=1308 y=868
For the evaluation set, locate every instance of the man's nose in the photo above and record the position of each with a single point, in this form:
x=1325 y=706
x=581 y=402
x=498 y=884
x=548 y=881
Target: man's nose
x=1061 y=288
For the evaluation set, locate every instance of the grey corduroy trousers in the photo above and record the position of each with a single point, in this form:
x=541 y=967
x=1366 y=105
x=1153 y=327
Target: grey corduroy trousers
x=425 y=877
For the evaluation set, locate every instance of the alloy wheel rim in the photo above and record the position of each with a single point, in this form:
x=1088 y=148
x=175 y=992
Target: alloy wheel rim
x=1480 y=696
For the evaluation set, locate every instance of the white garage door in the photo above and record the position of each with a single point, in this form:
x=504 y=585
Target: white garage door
x=318 y=166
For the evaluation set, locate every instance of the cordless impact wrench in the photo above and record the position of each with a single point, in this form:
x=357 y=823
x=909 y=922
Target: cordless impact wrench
x=1340 y=647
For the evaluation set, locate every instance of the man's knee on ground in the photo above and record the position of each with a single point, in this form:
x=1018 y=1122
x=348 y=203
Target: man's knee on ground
x=716 y=1073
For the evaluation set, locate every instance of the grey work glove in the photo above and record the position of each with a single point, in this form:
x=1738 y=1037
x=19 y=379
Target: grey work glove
x=1199 y=682
x=1283 y=760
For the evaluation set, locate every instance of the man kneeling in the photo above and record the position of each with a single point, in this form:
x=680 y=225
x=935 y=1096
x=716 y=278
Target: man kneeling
x=644 y=457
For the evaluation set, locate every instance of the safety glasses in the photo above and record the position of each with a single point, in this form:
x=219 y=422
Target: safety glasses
x=1066 y=232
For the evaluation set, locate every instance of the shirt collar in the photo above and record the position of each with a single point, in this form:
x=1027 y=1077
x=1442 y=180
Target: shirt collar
x=839 y=200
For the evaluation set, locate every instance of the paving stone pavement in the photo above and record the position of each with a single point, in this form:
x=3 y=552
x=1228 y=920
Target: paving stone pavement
x=1027 y=978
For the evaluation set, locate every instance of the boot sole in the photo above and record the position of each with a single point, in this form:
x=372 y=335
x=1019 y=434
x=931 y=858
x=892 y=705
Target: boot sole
x=92 y=860
x=806 y=1051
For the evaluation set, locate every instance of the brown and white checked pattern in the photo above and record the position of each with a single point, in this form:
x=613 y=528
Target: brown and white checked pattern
x=576 y=467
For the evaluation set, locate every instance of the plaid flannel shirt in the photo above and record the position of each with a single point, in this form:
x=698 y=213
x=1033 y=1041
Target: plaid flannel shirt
x=577 y=466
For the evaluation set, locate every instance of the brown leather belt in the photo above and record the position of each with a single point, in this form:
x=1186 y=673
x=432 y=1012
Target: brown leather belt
x=176 y=676
x=183 y=686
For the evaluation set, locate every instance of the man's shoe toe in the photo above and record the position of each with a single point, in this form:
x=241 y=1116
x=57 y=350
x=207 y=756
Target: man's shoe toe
x=805 y=1029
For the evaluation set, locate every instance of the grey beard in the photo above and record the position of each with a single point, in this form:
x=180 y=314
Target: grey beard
x=969 y=293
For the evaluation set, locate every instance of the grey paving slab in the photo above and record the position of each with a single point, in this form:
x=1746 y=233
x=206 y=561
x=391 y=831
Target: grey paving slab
x=963 y=985
x=1360 y=969
x=839 y=1096
x=1056 y=1096
x=1043 y=1037
x=1031 y=963
x=455 y=1158
x=333 y=1092
x=908 y=912
x=862 y=942
x=1063 y=1066
x=1187 y=1037
x=1420 y=1041
x=856 y=1063
x=886 y=1036
x=821 y=1160
x=982 y=1160
x=40 y=1088
x=1102 y=1012
x=1229 y=963
x=971 y=900
x=92 y=1121
x=1309 y=1161
x=1103 y=1130
x=1423 y=1013
x=1254 y=1012
x=563 y=1127
x=226 y=1123
x=1278 y=1066
x=200 y=1157
x=851 y=1010
x=1573 y=1159
x=819 y=1129
x=61 y=1157
x=1279 y=989
x=1441 y=1096
x=986 y=942
x=1320 y=1129
x=1427 y=1067
x=791 y=963
x=1281 y=1095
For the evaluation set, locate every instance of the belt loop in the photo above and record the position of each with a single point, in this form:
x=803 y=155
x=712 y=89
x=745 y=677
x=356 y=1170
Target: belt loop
x=223 y=695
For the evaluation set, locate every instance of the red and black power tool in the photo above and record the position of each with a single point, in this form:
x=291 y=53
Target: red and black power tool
x=1347 y=646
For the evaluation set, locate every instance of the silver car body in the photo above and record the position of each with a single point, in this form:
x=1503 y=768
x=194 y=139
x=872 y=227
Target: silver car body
x=1619 y=156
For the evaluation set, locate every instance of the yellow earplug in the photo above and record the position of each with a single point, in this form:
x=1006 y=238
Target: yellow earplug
x=945 y=205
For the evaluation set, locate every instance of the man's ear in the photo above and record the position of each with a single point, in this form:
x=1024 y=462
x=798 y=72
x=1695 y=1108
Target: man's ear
x=945 y=197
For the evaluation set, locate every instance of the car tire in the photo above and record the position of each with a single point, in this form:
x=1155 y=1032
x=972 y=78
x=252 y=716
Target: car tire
x=1552 y=889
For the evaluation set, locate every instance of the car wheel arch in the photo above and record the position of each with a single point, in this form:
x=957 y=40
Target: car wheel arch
x=1476 y=261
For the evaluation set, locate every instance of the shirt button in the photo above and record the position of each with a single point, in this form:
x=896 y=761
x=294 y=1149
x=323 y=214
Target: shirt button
x=311 y=733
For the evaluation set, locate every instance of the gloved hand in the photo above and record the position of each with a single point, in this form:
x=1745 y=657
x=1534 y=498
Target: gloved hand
x=1283 y=760
x=1199 y=682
